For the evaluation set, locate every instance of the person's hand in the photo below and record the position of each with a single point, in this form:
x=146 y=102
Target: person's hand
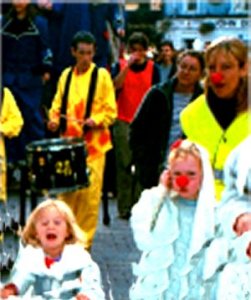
x=52 y=126
x=45 y=4
x=242 y=224
x=121 y=32
x=5 y=293
x=165 y=179
x=131 y=59
x=46 y=77
x=89 y=123
x=248 y=251
x=8 y=290
x=82 y=297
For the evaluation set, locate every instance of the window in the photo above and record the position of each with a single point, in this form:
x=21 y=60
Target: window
x=191 y=5
x=240 y=5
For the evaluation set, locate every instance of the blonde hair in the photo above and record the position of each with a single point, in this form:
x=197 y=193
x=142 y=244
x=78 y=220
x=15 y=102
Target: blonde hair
x=29 y=236
x=184 y=148
x=237 y=48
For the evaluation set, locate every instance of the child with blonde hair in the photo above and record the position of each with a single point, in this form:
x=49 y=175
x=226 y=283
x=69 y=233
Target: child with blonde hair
x=53 y=262
x=171 y=224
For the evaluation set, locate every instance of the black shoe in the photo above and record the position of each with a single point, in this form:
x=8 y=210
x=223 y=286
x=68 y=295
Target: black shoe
x=125 y=216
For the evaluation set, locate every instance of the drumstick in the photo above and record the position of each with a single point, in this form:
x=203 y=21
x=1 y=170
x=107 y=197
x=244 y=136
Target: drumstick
x=63 y=116
x=72 y=119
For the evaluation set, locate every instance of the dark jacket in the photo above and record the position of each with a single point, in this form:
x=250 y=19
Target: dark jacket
x=149 y=131
x=25 y=52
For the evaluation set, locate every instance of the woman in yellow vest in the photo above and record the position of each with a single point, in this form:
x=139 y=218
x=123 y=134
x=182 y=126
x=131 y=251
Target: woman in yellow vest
x=11 y=123
x=218 y=119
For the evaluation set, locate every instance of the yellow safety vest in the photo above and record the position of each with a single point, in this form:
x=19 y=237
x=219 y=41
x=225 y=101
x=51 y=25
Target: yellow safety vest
x=200 y=126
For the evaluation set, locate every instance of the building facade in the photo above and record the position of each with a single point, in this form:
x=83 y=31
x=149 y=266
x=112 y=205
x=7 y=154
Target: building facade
x=194 y=23
x=190 y=23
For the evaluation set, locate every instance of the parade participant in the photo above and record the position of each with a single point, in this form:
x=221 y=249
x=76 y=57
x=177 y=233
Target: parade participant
x=235 y=206
x=156 y=124
x=26 y=63
x=67 y=18
x=60 y=268
x=170 y=225
x=166 y=60
x=11 y=123
x=87 y=110
x=135 y=76
x=229 y=256
x=218 y=120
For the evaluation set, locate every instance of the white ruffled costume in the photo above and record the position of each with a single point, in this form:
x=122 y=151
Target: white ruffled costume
x=169 y=268
x=230 y=272
x=75 y=273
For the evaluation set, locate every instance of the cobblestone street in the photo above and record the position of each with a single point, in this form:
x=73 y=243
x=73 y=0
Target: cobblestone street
x=114 y=250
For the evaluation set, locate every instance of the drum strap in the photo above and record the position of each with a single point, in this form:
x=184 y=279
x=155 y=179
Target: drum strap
x=2 y=99
x=92 y=88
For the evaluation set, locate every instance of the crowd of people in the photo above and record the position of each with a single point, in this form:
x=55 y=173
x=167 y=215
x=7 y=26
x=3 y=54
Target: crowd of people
x=179 y=127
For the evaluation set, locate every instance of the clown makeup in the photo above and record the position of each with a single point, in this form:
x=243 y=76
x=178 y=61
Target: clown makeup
x=186 y=173
x=225 y=73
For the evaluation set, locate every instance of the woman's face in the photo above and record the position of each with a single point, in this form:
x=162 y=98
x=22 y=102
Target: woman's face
x=189 y=71
x=226 y=66
x=188 y=167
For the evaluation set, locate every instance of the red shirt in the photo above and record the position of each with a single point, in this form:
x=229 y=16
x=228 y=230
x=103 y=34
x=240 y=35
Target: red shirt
x=135 y=86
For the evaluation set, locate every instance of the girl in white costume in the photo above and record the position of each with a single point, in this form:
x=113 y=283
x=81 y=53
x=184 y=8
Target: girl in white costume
x=232 y=269
x=53 y=262
x=171 y=224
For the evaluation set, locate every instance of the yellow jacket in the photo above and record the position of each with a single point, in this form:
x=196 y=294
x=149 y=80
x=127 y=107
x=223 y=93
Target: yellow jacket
x=11 y=123
x=199 y=125
x=103 y=112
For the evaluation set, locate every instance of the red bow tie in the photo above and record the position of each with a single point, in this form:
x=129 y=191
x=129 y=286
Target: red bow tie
x=49 y=261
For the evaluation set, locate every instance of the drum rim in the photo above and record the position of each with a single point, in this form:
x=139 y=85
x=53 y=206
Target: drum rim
x=65 y=142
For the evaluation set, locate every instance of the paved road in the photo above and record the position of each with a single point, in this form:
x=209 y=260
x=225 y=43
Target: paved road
x=114 y=250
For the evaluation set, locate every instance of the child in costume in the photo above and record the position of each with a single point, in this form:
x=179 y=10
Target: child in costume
x=53 y=262
x=171 y=223
x=11 y=123
x=231 y=248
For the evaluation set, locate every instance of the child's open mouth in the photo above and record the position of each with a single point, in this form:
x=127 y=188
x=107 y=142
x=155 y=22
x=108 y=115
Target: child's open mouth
x=51 y=236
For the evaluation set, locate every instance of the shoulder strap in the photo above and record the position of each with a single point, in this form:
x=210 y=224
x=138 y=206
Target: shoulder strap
x=2 y=99
x=91 y=92
x=64 y=102
x=92 y=88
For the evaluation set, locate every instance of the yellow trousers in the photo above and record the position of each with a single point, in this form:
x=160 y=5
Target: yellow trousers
x=85 y=202
x=3 y=183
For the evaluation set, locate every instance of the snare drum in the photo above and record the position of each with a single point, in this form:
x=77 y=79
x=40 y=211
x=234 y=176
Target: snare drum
x=57 y=165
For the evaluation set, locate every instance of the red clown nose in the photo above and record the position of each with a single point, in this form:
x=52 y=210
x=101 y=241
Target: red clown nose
x=182 y=181
x=216 y=78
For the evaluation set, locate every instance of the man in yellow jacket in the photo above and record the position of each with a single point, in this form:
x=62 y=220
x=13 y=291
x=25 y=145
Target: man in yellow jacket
x=96 y=134
x=11 y=123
